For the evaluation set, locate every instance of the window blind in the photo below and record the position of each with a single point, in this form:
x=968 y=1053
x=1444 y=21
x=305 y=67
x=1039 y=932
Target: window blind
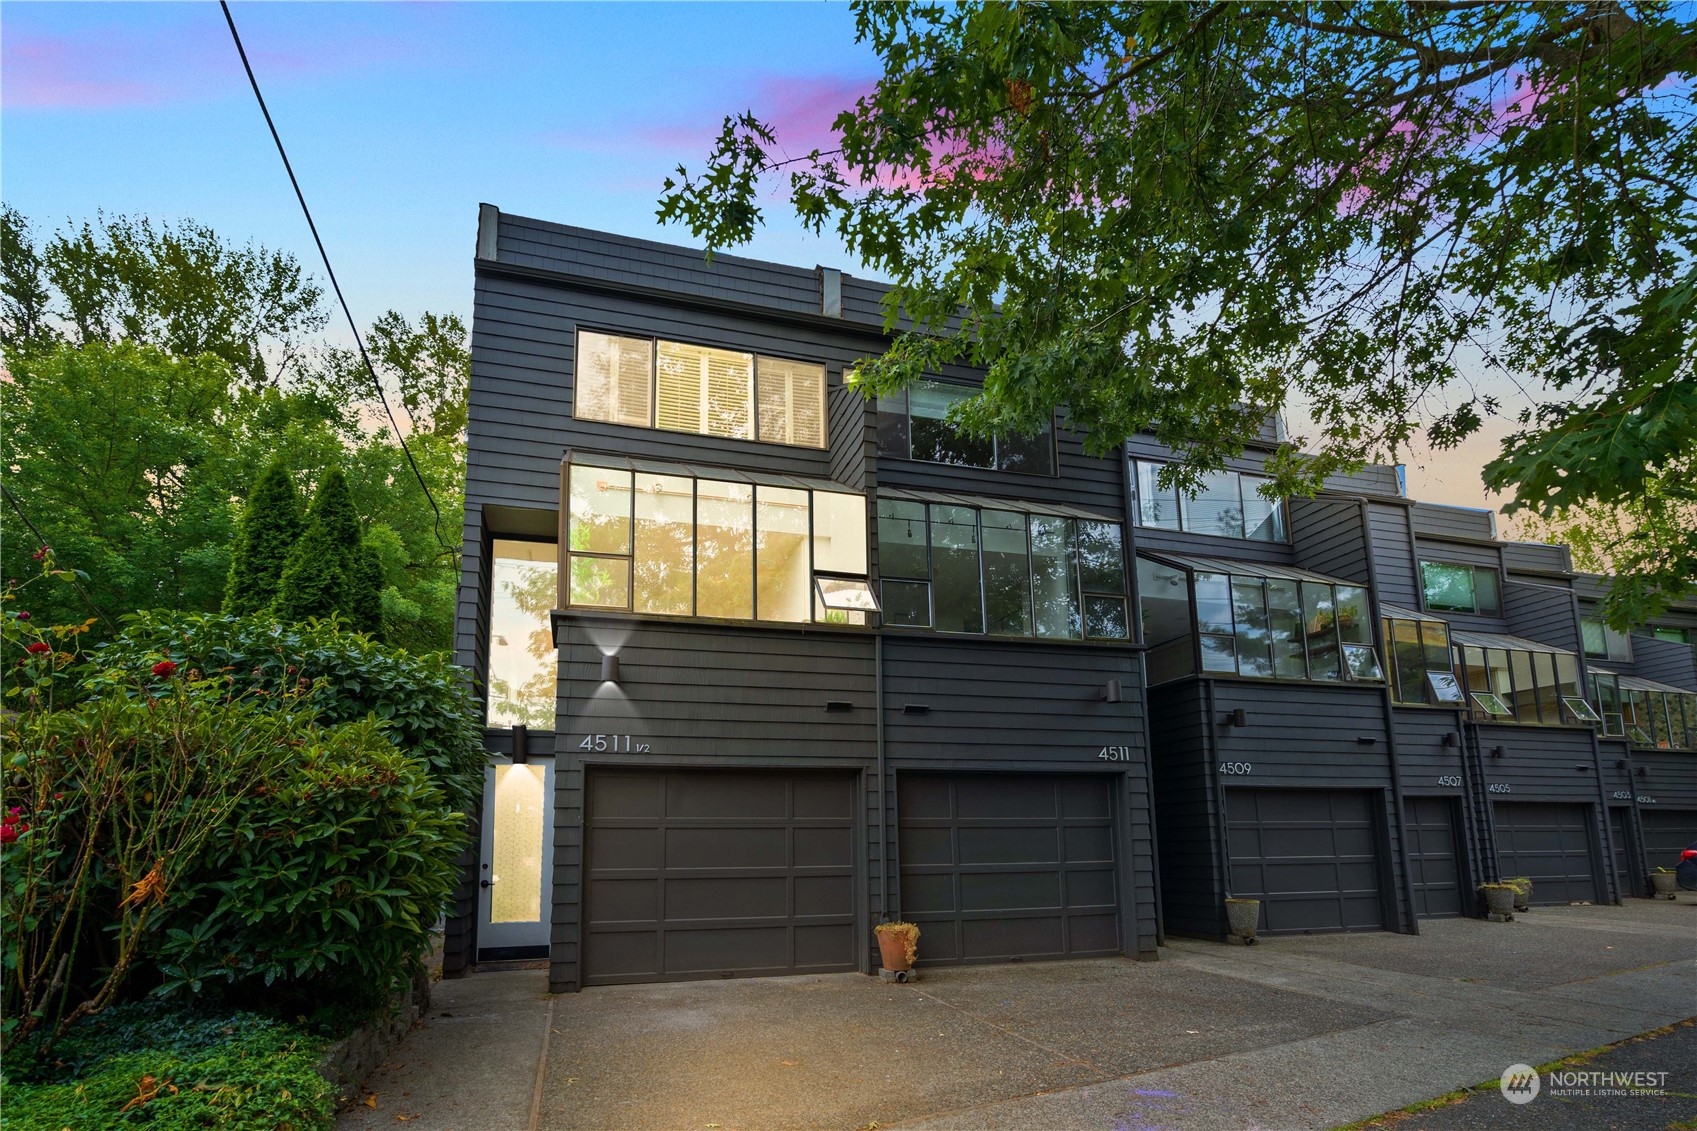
x=792 y=402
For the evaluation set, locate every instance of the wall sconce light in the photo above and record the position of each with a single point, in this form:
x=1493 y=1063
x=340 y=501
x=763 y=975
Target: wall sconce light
x=1365 y=740
x=1498 y=751
x=1450 y=739
x=916 y=709
x=521 y=744
x=1237 y=717
x=1643 y=771
x=1583 y=769
x=1110 y=692
x=1623 y=764
x=838 y=705
x=609 y=669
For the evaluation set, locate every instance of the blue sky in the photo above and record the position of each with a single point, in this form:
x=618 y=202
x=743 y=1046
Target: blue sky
x=401 y=118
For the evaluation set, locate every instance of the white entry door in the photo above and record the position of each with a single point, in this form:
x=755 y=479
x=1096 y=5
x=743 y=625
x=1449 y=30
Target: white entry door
x=515 y=884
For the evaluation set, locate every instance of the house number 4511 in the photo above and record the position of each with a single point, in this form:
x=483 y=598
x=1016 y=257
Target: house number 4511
x=616 y=743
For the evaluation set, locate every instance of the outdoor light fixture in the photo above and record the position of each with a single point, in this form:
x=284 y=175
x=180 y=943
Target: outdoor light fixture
x=1450 y=739
x=1583 y=769
x=1365 y=740
x=1110 y=692
x=609 y=669
x=521 y=744
x=916 y=709
x=1643 y=771
x=1237 y=717
x=1498 y=751
x=836 y=705
x=1623 y=764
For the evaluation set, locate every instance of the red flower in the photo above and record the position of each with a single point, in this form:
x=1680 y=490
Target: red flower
x=8 y=833
x=39 y=647
x=14 y=812
x=164 y=668
x=23 y=614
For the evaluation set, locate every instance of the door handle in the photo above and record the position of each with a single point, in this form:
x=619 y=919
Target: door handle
x=486 y=883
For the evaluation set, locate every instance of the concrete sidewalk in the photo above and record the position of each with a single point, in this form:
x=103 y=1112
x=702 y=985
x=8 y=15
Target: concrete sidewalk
x=1295 y=1033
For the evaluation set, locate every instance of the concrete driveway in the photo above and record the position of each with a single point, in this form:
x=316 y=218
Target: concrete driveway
x=1294 y=1033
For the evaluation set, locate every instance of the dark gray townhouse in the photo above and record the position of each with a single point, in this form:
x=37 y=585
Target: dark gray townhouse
x=766 y=664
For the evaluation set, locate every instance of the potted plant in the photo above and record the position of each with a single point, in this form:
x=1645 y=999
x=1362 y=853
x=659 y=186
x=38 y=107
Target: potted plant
x=1662 y=883
x=1243 y=916
x=1522 y=892
x=898 y=945
x=1499 y=901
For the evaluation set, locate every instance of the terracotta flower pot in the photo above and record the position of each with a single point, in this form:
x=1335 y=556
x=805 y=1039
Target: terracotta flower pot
x=893 y=948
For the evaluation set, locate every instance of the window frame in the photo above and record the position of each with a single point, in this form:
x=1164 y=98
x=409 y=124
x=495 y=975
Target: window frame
x=1181 y=504
x=756 y=357
x=995 y=464
x=1474 y=571
x=489 y=541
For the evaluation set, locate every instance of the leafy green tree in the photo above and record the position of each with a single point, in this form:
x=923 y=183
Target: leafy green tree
x=365 y=591
x=1176 y=217
x=318 y=579
x=271 y=524
x=180 y=288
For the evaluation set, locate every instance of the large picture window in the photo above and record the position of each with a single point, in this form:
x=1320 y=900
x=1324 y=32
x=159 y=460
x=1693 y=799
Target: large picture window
x=914 y=424
x=1508 y=679
x=524 y=581
x=680 y=387
x=1460 y=588
x=1420 y=665
x=1265 y=625
x=1651 y=715
x=1228 y=505
x=986 y=570
x=661 y=540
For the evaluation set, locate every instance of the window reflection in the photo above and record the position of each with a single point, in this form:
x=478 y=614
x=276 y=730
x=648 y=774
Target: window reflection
x=522 y=664
x=914 y=424
x=1229 y=505
x=780 y=523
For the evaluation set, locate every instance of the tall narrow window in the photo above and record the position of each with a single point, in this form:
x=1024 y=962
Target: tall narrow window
x=1054 y=581
x=1157 y=506
x=1101 y=575
x=1320 y=626
x=1254 y=642
x=598 y=556
x=792 y=402
x=1214 y=622
x=957 y=599
x=724 y=550
x=664 y=562
x=784 y=590
x=906 y=566
x=522 y=660
x=1007 y=574
x=614 y=379
x=1284 y=621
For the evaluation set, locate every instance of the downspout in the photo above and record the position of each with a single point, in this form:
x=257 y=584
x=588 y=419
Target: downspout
x=1584 y=676
x=883 y=792
x=1219 y=799
x=1130 y=528
x=1390 y=718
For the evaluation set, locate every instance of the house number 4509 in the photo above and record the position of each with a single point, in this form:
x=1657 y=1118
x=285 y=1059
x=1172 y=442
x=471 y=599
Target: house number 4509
x=1236 y=768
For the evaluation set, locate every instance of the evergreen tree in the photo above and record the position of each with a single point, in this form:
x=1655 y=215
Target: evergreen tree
x=318 y=579
x=365 y=597
x=271 y=525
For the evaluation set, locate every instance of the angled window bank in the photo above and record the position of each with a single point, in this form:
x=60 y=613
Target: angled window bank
x=766 y=663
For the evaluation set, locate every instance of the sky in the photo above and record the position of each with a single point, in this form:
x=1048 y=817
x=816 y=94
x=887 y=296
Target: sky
x=401 y=118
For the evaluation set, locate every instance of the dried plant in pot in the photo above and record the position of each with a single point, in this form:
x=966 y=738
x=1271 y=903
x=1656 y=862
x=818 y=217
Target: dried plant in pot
x=898 y=944
x=1522 y=886
x=1499 y=900
x=1663 y=881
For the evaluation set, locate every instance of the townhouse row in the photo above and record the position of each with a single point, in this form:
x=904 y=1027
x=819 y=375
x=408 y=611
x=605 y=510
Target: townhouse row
x=766 y=664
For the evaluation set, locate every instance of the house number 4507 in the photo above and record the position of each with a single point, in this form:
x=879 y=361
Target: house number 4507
x=616 y=743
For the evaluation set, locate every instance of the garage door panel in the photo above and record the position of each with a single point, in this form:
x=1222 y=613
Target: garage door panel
x=984 y=939
x=1008 y=845
x=1551 y=844
x=634 y=849
x=626 y=901
x=1434 y=862
x=728 y=797
x=727 y=848
x=728 y=873
x=1310 y=856
x=1016 y=868
x=1010 y=890
x=1667 y=833
x=740 y=897
x=1089 y=845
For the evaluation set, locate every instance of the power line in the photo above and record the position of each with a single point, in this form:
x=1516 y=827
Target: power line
x=41 y=541
x=359 y=341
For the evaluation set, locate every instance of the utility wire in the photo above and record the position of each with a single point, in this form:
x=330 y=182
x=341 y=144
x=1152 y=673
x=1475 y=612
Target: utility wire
x=41 y=541
x=337 y=287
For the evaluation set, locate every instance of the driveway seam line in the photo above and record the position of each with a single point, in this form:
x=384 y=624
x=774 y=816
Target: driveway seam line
x=537 y=1088
x=1016 y=1036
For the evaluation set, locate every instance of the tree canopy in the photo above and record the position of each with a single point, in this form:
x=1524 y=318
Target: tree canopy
x=1178 y=217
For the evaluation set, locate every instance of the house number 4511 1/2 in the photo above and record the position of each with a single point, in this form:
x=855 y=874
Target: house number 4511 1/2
x=615 y=743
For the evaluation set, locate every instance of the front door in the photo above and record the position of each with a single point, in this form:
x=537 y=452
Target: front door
x=514 y=894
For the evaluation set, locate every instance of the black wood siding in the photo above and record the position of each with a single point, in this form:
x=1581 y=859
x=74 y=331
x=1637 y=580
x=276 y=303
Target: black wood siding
x=1666 y=661
x=1439 y=521
x=1543 y=613
x=1393 y=554
x=1188 y=811
x=1327 y=537
x=1550 y=764
x=1001 y=705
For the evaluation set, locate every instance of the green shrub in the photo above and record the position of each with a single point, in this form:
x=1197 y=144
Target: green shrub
x=326 y=877
x=424 y=704
x=233 y=1070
